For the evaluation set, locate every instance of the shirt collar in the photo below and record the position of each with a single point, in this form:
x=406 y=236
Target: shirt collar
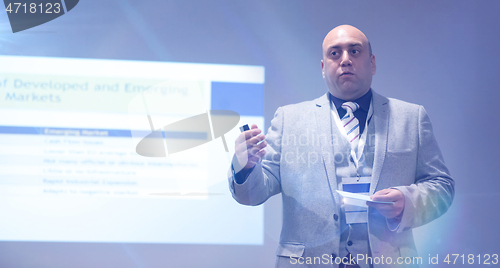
x=363 y=102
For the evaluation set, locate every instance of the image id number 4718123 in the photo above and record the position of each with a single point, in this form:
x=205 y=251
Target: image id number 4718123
x=470 y=259
x=33 y=8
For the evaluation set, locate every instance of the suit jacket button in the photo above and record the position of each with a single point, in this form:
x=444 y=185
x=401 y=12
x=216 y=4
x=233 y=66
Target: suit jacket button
x=335 y=217
x=349 y=243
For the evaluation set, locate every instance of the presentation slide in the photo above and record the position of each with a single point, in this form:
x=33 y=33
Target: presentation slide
x=77 y=150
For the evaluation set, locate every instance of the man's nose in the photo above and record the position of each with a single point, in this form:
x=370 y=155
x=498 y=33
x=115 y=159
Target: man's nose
x=346 y=60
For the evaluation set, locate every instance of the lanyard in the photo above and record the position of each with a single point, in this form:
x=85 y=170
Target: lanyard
x=355 y=154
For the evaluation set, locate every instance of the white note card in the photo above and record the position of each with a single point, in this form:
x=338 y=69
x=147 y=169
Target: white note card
x=360 y=197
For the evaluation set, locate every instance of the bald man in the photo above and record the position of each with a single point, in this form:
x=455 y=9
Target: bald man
x=349 y=140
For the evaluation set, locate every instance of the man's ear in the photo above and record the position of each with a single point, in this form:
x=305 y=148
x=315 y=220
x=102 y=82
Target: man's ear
x=374 y=65
x=322 y=68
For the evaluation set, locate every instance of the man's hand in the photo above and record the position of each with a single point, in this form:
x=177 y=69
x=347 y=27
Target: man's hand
x=389 y=210
x=249 y=147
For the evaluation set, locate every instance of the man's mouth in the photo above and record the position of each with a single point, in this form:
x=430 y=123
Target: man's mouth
x=346 y=73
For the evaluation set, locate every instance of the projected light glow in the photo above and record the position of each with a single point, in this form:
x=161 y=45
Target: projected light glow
x=69 y=130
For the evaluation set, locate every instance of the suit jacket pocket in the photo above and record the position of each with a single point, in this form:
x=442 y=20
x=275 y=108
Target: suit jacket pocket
x=410 y=257
x=290 y=249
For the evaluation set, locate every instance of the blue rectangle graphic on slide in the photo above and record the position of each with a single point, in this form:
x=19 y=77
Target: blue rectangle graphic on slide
x=243 y=98
x=70 y=169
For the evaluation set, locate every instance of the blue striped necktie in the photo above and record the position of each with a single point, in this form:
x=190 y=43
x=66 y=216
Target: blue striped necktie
x=351 y=123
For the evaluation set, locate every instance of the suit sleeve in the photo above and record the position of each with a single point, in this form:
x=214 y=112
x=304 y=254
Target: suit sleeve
x=264 y=180
x=432 y=193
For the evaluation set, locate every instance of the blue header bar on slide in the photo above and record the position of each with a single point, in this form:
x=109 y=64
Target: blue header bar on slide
x=87 y=132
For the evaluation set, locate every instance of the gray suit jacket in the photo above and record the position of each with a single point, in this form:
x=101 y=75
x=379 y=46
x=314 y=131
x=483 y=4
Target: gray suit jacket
x=299 y=164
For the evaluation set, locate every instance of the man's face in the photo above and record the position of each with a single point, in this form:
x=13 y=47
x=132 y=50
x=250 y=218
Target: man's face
x=347 y=64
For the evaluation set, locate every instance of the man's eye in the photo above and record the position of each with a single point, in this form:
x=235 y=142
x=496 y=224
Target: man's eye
x=334 y=53
x=355 y=51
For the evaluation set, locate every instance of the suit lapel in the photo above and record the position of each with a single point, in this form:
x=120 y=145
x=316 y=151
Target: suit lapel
x=381 y=121
x=324 y=127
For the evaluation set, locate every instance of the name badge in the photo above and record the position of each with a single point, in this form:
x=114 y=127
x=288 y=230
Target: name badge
x=356 y=211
